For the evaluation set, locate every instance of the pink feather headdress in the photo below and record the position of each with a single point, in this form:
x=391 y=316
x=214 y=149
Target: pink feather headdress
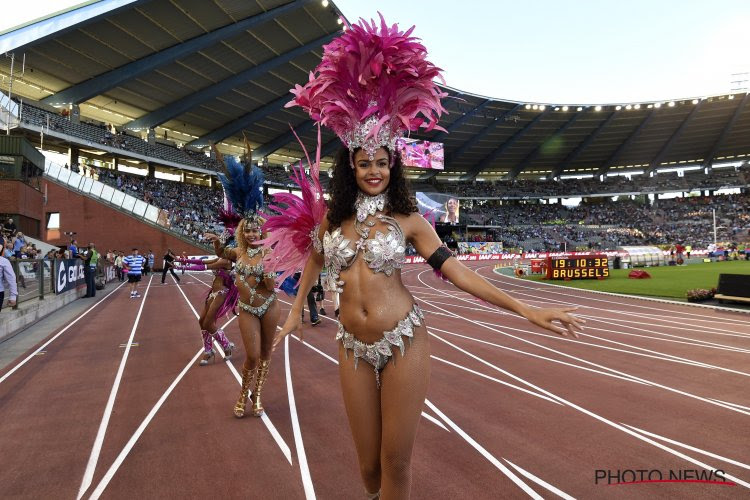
x=292 y=232
x=372 y=86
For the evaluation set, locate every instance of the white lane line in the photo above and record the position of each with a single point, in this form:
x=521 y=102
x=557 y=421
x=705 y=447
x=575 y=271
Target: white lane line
x=688 y=447
x=605 y=420
x=88 y=475
x=656 y=354
x=540 y=482
x=465 y=436
x=41 y=348
x=589 y=326
x=685 y=340
x=494 y=379
x=435 y=421
x=264 y=418
x=732 y=404
x=625 y=376
x=635 y=378
x=673 y=326
x=677 y=319
x=616 y=321
x=589 y=298
x=638 y=325
x=137 y=434
x=433 y=329
x=298 y=443
x=486 y=454
x=334 y=361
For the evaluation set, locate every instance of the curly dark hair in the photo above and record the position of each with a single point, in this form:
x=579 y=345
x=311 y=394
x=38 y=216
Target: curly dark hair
x=343 y=190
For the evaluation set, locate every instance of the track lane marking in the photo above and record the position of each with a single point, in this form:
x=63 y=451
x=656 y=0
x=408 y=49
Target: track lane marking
x=587 y=297
x=88 y=475
x=41 y=348
x=688 y=447
x=635 y=378
x=298 y=442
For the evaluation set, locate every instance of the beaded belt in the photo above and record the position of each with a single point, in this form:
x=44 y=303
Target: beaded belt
x=378 y=353
x=261 y=309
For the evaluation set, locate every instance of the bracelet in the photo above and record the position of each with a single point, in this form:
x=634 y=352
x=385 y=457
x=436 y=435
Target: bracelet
x=270 y=275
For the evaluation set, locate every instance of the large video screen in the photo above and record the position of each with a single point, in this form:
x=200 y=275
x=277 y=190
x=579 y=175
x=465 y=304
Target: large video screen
x=421 y=154
x=444 y=208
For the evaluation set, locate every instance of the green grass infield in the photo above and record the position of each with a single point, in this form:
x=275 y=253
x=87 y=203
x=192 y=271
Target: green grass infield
x=666 y=281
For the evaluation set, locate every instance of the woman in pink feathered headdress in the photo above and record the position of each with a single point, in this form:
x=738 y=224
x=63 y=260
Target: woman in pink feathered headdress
x=373 y=85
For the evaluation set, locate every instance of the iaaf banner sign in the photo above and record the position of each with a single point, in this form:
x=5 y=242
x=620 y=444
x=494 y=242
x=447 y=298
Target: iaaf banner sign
x=473 y=257
x=69 y=275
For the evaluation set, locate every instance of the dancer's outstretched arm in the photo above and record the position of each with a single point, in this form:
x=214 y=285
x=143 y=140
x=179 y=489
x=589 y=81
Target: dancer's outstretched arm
x=309 y=277
x=219 y=249
x=426 y=241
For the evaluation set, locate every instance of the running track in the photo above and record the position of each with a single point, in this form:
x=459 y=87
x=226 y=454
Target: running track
x=115 y=406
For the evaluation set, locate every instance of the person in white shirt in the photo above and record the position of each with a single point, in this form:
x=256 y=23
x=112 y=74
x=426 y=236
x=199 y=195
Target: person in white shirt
x=7 y=280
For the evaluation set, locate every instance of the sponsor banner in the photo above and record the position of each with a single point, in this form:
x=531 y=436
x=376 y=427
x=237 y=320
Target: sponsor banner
x=110 y=274
x=480 y=246
x=69 y=274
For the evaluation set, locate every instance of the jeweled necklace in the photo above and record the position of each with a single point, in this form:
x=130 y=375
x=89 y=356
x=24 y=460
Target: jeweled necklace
x=369 y=205
x=252 y=252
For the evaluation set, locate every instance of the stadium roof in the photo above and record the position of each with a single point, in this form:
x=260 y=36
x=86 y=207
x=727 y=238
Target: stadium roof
x=206 y=71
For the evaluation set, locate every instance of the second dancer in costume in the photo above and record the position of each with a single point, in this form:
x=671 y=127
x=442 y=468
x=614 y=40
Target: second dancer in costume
x=259 y=310
x=221 y=299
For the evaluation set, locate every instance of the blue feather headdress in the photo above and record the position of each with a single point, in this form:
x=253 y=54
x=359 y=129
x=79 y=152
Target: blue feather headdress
x=243 y=186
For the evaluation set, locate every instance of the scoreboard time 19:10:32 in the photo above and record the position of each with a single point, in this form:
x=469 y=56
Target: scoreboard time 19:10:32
x=571 y=268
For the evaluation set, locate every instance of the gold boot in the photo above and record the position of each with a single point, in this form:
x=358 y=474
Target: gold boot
x=262 y=376
x=247 y=378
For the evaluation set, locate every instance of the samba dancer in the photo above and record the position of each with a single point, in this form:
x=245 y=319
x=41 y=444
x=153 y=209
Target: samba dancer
x=259 y=310
x=370 y=88
x=221 y=299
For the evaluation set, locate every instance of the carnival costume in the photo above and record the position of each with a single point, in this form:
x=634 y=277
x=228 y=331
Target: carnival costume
x=231 y=296
x=372 y=86
x=243 y=186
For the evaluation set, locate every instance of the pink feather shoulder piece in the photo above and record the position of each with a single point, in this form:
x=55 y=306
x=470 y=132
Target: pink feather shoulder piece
x=293 y=231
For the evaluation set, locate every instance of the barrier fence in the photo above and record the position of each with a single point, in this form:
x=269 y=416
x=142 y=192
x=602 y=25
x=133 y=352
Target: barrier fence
x=37 y=278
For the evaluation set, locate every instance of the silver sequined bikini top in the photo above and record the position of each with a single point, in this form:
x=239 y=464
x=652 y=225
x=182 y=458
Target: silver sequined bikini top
x=383 y=253
x=255 y=270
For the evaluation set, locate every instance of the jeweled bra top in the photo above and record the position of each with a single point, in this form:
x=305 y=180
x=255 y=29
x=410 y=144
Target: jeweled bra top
x=383 y=253
x=246 y=270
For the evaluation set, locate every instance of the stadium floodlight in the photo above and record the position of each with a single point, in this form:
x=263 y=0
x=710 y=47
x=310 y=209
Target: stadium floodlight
x=340 y=21
x=637 y=106
x=671 y=104
x=325 y=3
x=598 y=108
x=730 y=96
x=535 y=106
x=542 y=107
x=528 y=106
x=618 y=108
x=564 y=108
x=695 y=101
x=657 y=105
x=580 y=108
x=629 y=106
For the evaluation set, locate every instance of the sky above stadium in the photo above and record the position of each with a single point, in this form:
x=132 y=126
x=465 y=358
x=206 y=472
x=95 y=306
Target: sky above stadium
x=551 y=51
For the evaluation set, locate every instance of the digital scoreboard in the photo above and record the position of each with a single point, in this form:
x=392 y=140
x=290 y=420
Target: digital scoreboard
x=578 y=268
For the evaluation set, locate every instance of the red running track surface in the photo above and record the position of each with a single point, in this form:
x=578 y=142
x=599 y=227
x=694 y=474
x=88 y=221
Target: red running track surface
x=512 y=411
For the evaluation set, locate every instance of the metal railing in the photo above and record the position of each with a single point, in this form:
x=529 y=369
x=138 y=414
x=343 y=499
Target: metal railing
x=34 y=279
